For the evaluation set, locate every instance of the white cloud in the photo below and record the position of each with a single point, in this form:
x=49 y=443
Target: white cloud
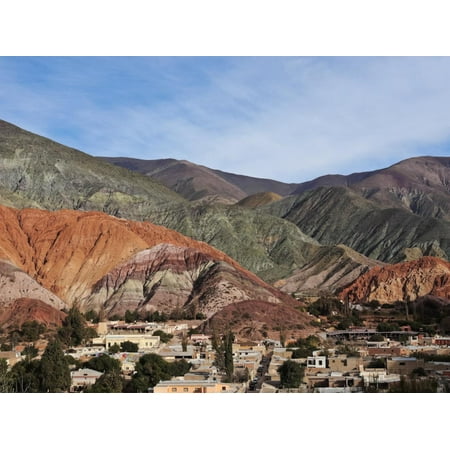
x=289 y=119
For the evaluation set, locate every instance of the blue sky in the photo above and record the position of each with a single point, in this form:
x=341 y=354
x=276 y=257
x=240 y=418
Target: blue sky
x=290 y=119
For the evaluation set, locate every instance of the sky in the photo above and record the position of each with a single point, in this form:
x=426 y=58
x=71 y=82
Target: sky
x=285 y=118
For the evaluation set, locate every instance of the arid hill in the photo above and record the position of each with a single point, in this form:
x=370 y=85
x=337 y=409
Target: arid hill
x=26 y=309
x=329 y=269
x=405 y=282
x=259 y=199
x=103 y=262
x=419 y=185
x=195 y=182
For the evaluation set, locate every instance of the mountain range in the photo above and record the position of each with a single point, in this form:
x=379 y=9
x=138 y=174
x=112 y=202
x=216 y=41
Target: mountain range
x=98 y=232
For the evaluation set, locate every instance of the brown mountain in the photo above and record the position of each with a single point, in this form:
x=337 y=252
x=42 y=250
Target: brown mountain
x=339 y=215
x=404 y=281
x=22 y=298
x=105 y=262
x=25 y=309
x=38 y=172
x=257 y=320
x=168 y=277
x=420 y=185
x=196 y=182
x=260 y=199
x=329 y=270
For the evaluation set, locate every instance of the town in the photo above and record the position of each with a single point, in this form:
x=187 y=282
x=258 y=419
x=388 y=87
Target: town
x=172 y=357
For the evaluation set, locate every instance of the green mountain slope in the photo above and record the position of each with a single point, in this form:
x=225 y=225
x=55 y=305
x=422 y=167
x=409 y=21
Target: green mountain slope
x=266 y=245
x=35 y=171
x=338 y=215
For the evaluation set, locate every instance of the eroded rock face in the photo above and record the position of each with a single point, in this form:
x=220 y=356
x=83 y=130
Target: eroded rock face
x=15 y=284
x=25 y=309
x=329 y=270
x=167 y=277
x=403 y=281
x=69 y=251
x=103 y=262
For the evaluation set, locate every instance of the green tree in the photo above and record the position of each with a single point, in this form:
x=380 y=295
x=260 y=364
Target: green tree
x=386 y=326
x=115 y=348
x=291 y=374
x=184 y=342
x=109 y=382
x=27 y=376
x=150 y=370
x=129 y=346
x=228 y=355
x=179 y=368
x=31 y=330
x=6 y=379
x=92 y=316
x=376 y=338
x=164 y=337
x=74 y=330
x=30 y=352
x=54 y=369
x=131 y=316
x=103 y=363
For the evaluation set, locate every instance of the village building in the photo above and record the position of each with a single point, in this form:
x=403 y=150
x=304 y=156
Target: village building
x=403 y=365
x=83 y=378
x=193 y=387
x=145 y=342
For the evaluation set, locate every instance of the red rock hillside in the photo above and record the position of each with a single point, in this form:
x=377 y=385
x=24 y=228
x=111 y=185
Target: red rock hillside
x=102 y=261
x=25 y=309
x=403 y=281
x=68 y=251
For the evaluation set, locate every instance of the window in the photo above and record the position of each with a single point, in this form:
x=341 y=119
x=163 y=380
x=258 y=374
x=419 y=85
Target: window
x=174 y=389
x=185 y=390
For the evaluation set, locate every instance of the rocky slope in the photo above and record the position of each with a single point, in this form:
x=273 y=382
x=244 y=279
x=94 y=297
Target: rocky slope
x=257 y=320
x=15 y=284
x=418 y=185
x=38 y=172
x=68 y=251
x=329 y=270
x=168 y=277
x=22 y=299
x=259 y=199
x=338 y=215
x=103 y=262
x=191 y=181
x=270 y=247
x=405 y=282
x=26 y=309
x=195 y=182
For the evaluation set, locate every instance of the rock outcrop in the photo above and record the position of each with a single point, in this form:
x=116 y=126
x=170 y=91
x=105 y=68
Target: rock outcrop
x=68 y=251
x=27 y=309
x=259 y=199
x=329 y=269
x=339 y=215
x=22 y=299
x=168 y=278
x=401 y=282
x=103 y=262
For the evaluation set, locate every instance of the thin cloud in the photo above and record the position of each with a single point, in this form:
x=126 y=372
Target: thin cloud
x=286 y=118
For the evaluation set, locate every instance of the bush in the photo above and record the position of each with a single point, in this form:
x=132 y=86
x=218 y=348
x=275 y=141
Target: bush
x=103 y=363
x=291 y=374
x=129 y=346
x=164 y=337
